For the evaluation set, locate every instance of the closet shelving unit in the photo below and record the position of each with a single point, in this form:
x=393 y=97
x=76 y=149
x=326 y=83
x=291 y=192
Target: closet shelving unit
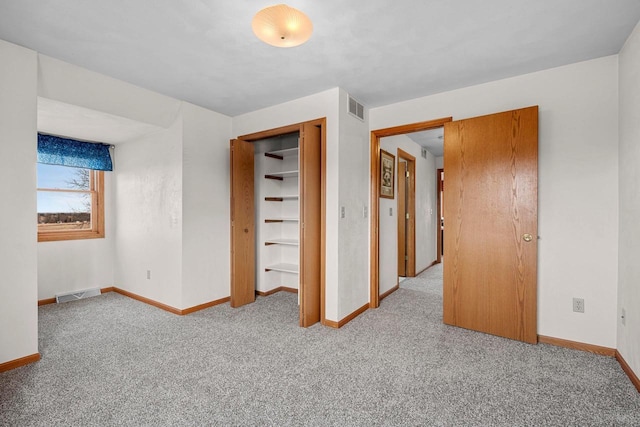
x=283 y=199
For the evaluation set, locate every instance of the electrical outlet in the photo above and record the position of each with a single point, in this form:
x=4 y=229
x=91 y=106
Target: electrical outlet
x=390 y=211
x=578 y=305
x=623 y=317
x=365 y=212
x=342 y=212
x=148 y=274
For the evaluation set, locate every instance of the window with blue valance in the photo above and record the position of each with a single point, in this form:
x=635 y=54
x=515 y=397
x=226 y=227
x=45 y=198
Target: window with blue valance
x=55 y=150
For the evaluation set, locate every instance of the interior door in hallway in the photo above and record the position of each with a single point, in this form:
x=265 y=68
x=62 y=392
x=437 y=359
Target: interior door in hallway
x=243 y=286
x=490 y=248
x=402 y=218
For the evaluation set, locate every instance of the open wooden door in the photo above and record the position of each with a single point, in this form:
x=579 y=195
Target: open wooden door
x=402 y=218
x=490 y=248
x=310 y=223
x=243 y=265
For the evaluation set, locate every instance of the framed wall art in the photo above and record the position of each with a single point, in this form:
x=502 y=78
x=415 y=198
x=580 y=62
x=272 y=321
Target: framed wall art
x=387 y=174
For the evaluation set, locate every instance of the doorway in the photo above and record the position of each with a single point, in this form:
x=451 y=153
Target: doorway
x=376 y=136
x=299 y=177
x=406 y=214
x=490 y=279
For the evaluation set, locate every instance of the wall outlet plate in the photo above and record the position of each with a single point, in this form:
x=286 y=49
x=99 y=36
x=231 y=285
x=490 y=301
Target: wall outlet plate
x=578 y=305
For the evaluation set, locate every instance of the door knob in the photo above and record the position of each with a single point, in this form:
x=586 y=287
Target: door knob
x=527 y=237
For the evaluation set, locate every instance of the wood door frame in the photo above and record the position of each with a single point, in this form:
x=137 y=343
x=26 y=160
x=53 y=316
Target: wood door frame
x=410 y=200
x=374 y=254
x=297 y=127
x=440 y=190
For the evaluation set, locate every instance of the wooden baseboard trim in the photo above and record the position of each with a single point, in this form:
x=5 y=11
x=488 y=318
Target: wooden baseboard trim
x=574 y=345
x=273 y=291
x=627 y=370
x=159 y=304
x=389 y=292
x=168 y=308
x=205 y=305
x=430 y=265
x=148 y=301
x=349 y=318
x=13 y=364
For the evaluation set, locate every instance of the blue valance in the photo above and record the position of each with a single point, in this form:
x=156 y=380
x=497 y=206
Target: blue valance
x=55 y=150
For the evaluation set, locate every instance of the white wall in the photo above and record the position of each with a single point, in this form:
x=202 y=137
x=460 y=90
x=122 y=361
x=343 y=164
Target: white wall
x=426 y=206
x=629 y=231
x=79 y=264
x=148 y=214
x=182 y=172
x=353 y=230
x=72 y=265
x=18 y=252
x=578 y=182
x=205 y=205
x=323 y=104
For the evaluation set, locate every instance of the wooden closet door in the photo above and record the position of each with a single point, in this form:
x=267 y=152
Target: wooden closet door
x=310 y=223
x=490 y=209
x=243 y=259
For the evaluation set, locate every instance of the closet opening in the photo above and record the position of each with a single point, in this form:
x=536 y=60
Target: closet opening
x=278 y=216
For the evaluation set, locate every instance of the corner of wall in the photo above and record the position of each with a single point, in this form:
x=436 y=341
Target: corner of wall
x=18 y=251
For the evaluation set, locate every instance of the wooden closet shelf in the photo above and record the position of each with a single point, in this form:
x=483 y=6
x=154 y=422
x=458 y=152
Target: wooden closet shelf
x=288 y=242
x=281 y=198
x=268 y=220
x=281 y=175
x=285 y=268
x=281 y=154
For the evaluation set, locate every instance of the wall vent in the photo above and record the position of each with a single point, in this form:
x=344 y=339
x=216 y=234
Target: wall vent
x=424 y=153
x=356 y=109
x=73 y=296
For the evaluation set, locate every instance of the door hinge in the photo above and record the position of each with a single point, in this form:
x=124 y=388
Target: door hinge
x=406 y=257
x=406 y=216
x=407 y=174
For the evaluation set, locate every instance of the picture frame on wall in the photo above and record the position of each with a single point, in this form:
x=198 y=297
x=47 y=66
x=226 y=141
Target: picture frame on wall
x=387 y=174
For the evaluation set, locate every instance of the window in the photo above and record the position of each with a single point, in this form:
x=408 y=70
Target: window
x=70 y=203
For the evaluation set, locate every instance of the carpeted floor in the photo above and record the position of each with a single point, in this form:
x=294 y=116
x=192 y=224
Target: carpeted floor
x=110 y=360
x=429 y=281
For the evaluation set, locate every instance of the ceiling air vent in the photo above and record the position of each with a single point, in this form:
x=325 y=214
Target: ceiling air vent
x=356 y=109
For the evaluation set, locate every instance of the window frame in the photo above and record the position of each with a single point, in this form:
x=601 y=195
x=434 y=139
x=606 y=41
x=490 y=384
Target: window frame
x=96 y=189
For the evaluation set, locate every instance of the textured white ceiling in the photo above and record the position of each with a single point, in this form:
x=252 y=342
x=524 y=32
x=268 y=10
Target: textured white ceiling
x=380 y=51
x=432 y=140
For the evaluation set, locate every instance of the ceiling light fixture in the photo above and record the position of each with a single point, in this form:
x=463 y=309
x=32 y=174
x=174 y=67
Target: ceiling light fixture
x=282 y=26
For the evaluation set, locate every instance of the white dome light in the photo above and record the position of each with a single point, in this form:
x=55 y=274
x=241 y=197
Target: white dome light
x=282 y=26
